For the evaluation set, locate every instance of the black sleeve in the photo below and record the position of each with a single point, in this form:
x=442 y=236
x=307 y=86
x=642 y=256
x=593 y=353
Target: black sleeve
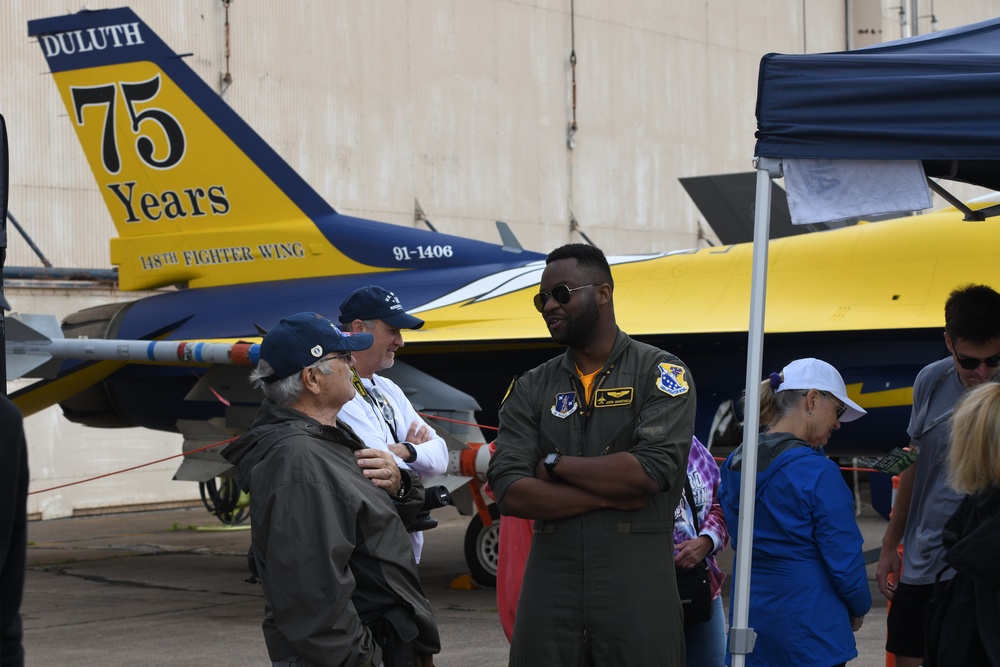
x=13 y=529
x=411 y=498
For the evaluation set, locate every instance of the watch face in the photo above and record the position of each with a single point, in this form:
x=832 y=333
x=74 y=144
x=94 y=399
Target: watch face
x=549 y=462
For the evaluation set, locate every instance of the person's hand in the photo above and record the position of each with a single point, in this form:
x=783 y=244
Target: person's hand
x=380 y=467
x=421 y=659
x=888 y=564
x=856 y=622
x=418 y=433
x=541 y=472
x=691 y=552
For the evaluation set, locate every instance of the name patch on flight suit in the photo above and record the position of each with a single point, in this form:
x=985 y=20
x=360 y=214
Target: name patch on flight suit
x=566 y=405
x=612 y=398
x=672 y=381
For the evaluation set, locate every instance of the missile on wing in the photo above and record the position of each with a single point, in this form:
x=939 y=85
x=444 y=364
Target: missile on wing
x=34 y=342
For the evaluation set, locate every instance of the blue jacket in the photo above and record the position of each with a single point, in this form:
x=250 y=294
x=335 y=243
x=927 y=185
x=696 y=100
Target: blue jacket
x=808 y=573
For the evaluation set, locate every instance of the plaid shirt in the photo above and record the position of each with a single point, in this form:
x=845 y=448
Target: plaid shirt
x=703 y=474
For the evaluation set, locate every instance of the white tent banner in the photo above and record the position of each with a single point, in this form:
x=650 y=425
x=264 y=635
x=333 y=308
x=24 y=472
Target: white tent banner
x=830 y=190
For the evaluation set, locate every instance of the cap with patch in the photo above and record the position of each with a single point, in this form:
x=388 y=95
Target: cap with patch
x=817 y=374
x=303 y=339
x=374 y=303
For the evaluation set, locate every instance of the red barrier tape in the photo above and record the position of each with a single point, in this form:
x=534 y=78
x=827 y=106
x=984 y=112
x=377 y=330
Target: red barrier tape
x=141 y=465
x=458 y=421
x=226 y=442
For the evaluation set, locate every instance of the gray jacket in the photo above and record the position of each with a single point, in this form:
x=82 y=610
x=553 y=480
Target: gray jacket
x=329 y=546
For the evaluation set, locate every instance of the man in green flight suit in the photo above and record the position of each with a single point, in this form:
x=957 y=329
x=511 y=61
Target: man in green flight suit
x=593 y=447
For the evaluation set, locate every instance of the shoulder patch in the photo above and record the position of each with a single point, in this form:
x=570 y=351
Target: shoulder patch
x=672 y=380
x=566 y=404
x=510 y=388
x=612 y=398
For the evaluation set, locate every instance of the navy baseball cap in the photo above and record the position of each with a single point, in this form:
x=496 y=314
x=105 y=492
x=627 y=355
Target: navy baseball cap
x=303 y=339
x=374 y=303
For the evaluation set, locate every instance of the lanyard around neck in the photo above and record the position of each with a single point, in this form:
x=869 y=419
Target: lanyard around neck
x=375 y=399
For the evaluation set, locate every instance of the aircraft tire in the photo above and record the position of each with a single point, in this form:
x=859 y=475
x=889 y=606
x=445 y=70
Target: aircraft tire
x=482 y=548
x=221 y=497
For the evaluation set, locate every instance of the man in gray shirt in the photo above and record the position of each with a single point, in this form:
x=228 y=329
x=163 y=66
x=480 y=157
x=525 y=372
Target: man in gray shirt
x=924 y=500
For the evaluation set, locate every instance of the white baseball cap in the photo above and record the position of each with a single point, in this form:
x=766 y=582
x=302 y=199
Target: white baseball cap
x=817 y=374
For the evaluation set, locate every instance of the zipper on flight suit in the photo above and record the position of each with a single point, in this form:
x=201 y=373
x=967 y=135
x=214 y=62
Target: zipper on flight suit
x=605 y=374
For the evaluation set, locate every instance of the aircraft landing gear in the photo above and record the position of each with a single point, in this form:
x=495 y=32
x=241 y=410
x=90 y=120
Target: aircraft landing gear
x=482 y=548
x=223 y=498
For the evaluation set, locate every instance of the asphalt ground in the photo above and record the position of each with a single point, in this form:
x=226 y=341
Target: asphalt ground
x=165 y=588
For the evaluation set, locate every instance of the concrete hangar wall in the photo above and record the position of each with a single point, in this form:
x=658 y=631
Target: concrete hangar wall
x=463 y=105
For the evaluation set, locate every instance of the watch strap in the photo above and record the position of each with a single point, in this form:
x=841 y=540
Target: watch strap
x=412 y=450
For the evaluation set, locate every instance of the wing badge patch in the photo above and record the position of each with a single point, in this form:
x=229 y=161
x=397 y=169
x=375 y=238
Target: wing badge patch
x=613 y=398
x=672 y=381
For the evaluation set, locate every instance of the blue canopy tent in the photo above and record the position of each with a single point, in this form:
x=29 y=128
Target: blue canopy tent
x=932 y=98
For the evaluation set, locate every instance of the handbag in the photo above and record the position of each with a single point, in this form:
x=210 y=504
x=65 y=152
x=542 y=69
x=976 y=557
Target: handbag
x=693 y=585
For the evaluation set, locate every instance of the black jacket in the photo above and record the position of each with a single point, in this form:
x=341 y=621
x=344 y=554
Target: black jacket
x=330 y=549
x=964 y=624
x=13 y=531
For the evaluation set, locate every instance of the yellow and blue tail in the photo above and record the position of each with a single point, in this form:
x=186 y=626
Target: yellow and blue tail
x=197 y=197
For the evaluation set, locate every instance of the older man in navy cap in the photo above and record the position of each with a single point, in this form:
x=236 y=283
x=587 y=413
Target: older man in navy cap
x=381 y=414
x=327 y=542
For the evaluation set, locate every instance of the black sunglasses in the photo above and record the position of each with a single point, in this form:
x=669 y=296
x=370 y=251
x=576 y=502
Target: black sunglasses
x=840 y=407
x=560 y=293
x=971 y=363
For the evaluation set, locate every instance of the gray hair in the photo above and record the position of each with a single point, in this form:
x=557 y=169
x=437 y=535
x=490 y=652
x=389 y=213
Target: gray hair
x=785 y=402
x=367 y=325
x=287 y=390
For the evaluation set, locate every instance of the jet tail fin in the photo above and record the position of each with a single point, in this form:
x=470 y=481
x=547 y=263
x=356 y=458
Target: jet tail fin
x=197 y=197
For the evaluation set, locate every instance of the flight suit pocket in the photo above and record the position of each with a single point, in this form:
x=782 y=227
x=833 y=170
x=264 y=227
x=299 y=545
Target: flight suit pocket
x=644 y=527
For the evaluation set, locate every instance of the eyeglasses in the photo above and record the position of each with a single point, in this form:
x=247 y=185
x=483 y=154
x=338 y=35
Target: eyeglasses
x=346 y=357
x=841 y=408
x=971 y=363
x=560 y=293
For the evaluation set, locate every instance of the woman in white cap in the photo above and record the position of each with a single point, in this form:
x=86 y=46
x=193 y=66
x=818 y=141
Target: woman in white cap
x=808 y=585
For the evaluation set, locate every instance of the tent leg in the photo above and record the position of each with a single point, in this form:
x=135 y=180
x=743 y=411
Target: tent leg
x=742 y=637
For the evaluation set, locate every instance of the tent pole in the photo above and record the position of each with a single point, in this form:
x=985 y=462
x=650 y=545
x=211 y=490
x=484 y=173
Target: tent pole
x=742 y=637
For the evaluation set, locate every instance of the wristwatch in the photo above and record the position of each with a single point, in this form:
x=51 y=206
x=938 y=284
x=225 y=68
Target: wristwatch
x=405 y=486
x=412 y=450
x=550 y=462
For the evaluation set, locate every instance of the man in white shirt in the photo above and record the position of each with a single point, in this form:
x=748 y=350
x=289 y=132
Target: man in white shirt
x=380 y=413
